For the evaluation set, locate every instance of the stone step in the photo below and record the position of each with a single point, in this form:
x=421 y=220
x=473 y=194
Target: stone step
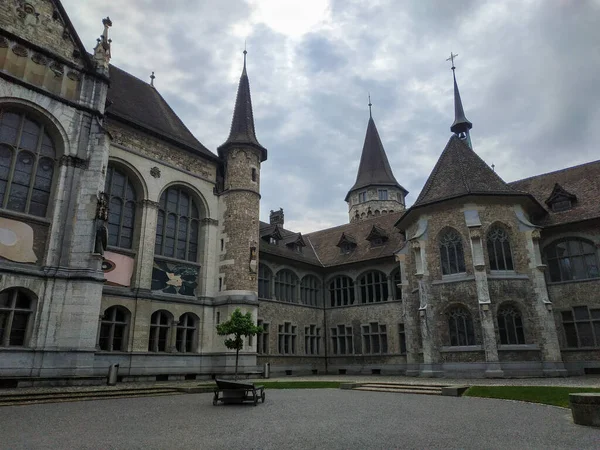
x=400 y=390
x=79 y=399
x=49 y=397
x=405 y=386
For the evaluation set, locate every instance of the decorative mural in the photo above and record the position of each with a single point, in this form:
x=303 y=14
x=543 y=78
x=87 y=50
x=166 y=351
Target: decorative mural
x=117 y=268
x=174 y=278
x=16 y=241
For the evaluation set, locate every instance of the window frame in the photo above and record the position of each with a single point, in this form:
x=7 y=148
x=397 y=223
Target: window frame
x=467 y=327
x=373 y=287
x=374 y=336
x=154 y=337
x=13 y=310
x=285 y=286
x=362 y=197
x=342 y=337
x=189 y=341
x=287 y=336
x=309 y=290
x=510 y=325
x=262 y=340
x=382 y=194
x=343 y=293
x=265 y=277
x=583 y=257
x=500 y=259
x=452 y=238
x=312 y=340
x=401 y=339
x=108 y=190
x=575 y=323
x=112 y=323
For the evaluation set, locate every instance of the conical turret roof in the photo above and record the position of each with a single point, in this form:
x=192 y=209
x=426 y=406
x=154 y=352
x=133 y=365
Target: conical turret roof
x=374 y=168
x=242 y=125
x=461 y=123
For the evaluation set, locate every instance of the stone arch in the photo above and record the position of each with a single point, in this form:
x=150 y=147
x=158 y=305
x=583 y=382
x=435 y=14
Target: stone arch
x=137 y=178
x=193 y=191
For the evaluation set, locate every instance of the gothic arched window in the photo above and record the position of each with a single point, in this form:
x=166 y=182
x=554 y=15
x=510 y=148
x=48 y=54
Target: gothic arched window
x=113 y=329
x=27 y=159
x=178 y=225
x=121 y=207
x=187 y=332
x=510 y=325
x=451 y=253
x=265 y=276
x=572 y=259
x=341 y=291
x=498 y=246
x=460 y=327
x=309 y=290
x=373 y=287
x=285 y=286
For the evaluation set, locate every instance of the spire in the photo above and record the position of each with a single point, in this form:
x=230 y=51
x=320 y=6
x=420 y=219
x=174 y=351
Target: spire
x=242 y=125
x=102 y=49
x=374 y=168
x=370 y=104
x=461 y=125
x=152 y=77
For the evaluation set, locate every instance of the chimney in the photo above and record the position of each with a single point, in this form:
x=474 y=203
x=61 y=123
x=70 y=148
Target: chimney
x=276 y=217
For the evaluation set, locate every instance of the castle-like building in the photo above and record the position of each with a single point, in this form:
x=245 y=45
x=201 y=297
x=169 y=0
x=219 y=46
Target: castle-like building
x=124 y=240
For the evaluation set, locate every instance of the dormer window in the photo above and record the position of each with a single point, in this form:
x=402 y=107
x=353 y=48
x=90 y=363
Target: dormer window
x=383 y=194
x=272 y=240
x=377 y=242
x=377 y=236
x=346 y=248
x=362 y=197
x=560 y=199
x=346 y=244
x=561 y=205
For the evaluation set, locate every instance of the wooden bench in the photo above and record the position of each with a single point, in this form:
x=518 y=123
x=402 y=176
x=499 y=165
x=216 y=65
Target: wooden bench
x=237 y=392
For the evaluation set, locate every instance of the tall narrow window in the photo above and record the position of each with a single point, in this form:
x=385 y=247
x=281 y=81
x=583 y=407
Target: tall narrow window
x=287 y=339
x=178 y=225
x=362 y=197
x=265 y=276
x=572 y=259
x=397 y=284
x=253 y=174
x=383 y=194
x=312 y=340
x=374 y=338
x=373 y=287
x=341 y=340
x=262 y=346
x=460 y=326
x=341 y=291
x=510 y=325
x=402 y=338
x=16 y=314
x=498 y=246
x=309 y=290
x=187 y=336
x=582 y=327
x=121 y=207
x=27 y=160
x=451 y=252
x=113 y=329
x=160 y=325
x=285 y=286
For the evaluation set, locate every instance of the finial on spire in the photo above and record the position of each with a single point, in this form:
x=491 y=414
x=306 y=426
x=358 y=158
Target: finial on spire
x=152 y=77
x=370 y=104
x=102 y=49
x=452 y=56
x=494 y=167
x=245 y=53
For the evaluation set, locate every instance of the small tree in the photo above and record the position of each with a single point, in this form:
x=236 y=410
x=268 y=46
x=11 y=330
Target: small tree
x=238 y=326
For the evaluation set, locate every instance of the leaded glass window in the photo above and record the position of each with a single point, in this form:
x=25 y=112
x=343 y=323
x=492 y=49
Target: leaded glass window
x=113 y=329
x=309 y=290
x=265 y=276
x=27 y=161
x=341 y=291
x=373 y=287
x=121 y=207
x=178 y=225
x=451 y=252
x=285 y=286
x=510 y=325
x=498 y=246
x=572 y=259
x=460 y=324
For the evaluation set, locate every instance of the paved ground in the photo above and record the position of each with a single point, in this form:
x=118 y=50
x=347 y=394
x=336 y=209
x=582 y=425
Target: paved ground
x=295 y=419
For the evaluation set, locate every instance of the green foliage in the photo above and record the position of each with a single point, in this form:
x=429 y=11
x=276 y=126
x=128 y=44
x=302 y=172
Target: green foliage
x=549 y=395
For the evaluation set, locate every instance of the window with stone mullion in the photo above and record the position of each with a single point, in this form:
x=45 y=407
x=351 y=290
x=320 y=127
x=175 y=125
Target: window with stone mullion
x=287 y=339
x=186 y=334
x=341 y=291
x=499 y=251
x=510 y=326
x=402 y=338
x=374 y=339
x=16 y=311
x=285 y=286
x=582 y=327
x=264 y=281
x=311 y=340
x=572 y=259
x=160 y=326
x=262 y=344
x=121 y=208
x=113 y=330
x=309 y=290
x=341 y=338
x=460 y=326
x=451 y=252
x=373 y=287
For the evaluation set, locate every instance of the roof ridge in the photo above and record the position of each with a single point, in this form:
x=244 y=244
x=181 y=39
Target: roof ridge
x=597 y=161
x=354 y=223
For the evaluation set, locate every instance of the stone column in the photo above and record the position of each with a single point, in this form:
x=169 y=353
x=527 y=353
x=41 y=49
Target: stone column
x=145 y=255
x=410 y=324
x=172 y=347
x=100 y=317
x=391 y=288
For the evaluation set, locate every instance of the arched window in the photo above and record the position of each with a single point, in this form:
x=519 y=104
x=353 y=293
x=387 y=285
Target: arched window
x=121 y=207
x=397 y=281
x=160 y=325
x=572 y=259
x=309 y=290
x=373 y=287
x=285 y=286
x=460 y=324
x=451 y=252
x=341 y=291
x=498 y=246
x=187 y=333
x=27 y=159
x=510 y=325
x=113 y=329
x=16 y=315
x=265 y=276
x=178 y=225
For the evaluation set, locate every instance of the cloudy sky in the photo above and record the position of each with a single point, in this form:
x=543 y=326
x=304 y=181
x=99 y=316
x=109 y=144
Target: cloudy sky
x=528 y=70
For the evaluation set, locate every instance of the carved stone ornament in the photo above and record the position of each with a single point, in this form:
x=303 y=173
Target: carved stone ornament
x=415 y=245
x=150 y=204
x=102 y=207
x=3 y=42
x=39 y=59
x=72 y=75
x=535 y=234
x=57 y=68
x=19 y=50
x=26 y=13
x=155 y=172
x=479 y=267
x=475 y=233
x=70 y=160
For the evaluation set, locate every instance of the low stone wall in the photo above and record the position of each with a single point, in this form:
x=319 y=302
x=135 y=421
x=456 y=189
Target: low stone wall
x=585 y=408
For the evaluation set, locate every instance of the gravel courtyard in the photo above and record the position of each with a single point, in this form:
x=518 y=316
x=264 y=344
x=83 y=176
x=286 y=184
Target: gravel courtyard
x=294 y=419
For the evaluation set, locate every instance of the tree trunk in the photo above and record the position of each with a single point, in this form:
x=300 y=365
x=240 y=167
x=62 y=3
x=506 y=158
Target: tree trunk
x=237 y=354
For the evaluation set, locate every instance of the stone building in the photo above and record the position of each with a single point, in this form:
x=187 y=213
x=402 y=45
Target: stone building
x=124 y=240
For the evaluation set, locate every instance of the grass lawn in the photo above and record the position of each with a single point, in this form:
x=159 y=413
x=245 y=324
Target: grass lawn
x=549 y=395
x=300 y=384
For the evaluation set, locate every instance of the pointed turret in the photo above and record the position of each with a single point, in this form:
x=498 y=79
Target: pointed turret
x=461 y=125
x=242 y=125
x=376 y=187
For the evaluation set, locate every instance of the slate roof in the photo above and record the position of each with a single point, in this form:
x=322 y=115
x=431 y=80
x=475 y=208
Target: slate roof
x=583 y=181
x=137 y=102
x=374 y=168
x=308 y=255
x=242 y=123
x=325 y=241
x=458 y=172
